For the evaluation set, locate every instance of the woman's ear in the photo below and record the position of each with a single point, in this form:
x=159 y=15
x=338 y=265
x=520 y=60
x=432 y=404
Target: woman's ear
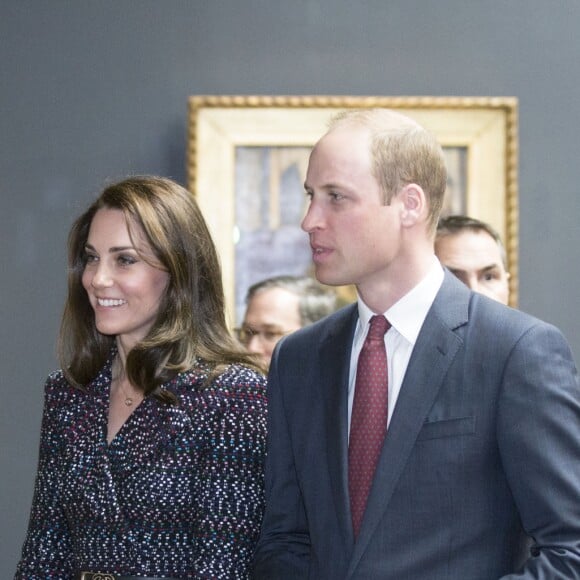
x=414 y=204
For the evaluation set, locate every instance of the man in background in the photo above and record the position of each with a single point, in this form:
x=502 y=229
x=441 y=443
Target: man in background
x=474 y=252
x=280 y=305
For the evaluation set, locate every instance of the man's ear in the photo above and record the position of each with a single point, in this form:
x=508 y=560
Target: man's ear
x=414 y=204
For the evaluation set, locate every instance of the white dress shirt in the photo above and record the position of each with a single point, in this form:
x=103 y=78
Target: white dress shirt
x=406 y=317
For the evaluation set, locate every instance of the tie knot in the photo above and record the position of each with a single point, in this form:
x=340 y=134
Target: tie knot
x=379 y=325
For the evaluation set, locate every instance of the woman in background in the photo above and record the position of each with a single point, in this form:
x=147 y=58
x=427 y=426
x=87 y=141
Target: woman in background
x=153 y=433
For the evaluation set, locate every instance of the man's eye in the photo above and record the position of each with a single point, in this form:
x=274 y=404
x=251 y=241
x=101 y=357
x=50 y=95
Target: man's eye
x=244 y=334
x=490 y=276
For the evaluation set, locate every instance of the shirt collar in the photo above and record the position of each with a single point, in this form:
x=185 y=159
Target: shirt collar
x=408 y=314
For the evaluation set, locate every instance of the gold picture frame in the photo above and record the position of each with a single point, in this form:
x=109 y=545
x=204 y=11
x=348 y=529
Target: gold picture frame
x=482 y=131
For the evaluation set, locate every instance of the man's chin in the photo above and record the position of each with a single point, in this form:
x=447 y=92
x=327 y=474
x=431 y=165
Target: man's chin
x=330 y=280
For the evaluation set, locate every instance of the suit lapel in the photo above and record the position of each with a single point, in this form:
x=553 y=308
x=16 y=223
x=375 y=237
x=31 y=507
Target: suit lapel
x=435 y=349
x=334 y=365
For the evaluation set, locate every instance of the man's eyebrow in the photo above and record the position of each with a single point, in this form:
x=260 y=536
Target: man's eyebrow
x=326 y=186
x=456 y=270
x=493 y=266
x=264 y=326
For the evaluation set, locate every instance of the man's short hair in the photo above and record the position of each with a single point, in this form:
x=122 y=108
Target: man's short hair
x=315 y=301
x=457 y=224
x=402 y=152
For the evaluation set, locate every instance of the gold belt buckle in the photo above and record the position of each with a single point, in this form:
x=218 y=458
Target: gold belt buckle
x=97 y=576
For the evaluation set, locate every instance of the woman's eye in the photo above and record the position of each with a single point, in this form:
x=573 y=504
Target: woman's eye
x=89 y=258
x=126 y=260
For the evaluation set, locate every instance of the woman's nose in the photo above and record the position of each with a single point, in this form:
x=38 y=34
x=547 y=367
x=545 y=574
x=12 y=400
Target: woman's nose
x=101 y=276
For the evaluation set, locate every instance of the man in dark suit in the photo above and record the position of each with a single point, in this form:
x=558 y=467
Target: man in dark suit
x=477 y=473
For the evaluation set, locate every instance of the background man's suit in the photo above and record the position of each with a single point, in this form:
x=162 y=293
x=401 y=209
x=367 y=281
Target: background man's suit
x=482 y=451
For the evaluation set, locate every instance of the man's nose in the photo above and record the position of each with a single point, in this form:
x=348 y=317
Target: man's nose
x=312 y=219
x=470 y=281
x=255 y=344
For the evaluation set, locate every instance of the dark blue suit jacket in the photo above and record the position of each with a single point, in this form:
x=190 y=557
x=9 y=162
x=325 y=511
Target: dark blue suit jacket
x=479 y=476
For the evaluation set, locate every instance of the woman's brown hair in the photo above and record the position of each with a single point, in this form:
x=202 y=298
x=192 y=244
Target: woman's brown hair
x=191 y=320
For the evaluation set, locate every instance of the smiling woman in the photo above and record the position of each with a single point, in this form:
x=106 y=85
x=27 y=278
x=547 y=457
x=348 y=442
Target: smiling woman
x=135 y=422
x=125 y=284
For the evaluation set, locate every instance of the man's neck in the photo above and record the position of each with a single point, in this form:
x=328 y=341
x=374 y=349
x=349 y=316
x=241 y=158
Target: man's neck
x=380 y=295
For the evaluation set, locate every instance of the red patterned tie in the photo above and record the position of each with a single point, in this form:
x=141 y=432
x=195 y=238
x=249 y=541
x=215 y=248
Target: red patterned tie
x=368 y=424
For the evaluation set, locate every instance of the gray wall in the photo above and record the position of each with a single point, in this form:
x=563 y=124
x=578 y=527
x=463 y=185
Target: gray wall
x=91 y=91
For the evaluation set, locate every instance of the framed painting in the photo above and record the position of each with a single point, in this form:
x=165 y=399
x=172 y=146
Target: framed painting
x=247 y=159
